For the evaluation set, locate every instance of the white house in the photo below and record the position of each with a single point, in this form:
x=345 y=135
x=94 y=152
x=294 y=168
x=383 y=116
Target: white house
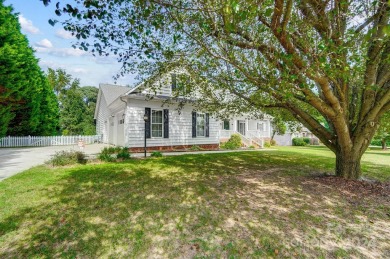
x=120 y=113
x=286 y=139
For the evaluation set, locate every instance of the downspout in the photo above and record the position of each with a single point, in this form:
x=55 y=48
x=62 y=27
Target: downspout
x=120 y=98
x=123 y=117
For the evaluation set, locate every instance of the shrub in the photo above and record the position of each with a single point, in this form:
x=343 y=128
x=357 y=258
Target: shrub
x=196 y=148
x=233 y=143
x=273 y=142
x=252 y=146
x=106 y=157
x=267 y=143
x=69 y=157
x=110 y=154
x=306 y=140
x=156 y=154
x=123 y=153
x=298 y=142
x=108 y=150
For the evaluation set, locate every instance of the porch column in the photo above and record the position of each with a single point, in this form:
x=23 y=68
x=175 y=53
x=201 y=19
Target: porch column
x=269 y=129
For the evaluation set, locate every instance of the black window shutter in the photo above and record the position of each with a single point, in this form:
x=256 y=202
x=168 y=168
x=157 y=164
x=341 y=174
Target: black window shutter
x=173 y=77
x=194 y=124
x=166 y=123
x=147 y=123
x=207 y=125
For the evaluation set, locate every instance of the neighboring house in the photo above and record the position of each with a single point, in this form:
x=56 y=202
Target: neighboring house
x=120 y=115
x=286 y=139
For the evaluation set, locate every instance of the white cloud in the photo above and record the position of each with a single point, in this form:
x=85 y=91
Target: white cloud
x=45 y=43
x=104 y=59
x=62 y=52
x=78 y=70
x=27 y=25
x=64 y=34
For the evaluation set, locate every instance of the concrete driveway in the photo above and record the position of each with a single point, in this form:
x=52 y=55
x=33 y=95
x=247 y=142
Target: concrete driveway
x=16 y=160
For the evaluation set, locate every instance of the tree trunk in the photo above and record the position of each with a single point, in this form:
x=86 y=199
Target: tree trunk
x=384 y=147
x=348 y=165
x=273 y=135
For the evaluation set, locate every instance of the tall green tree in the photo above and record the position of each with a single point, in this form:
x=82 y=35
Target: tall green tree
x=89 y=95
x=27 y=104
x=314 y=59
x=59 y=80
x=77 y=104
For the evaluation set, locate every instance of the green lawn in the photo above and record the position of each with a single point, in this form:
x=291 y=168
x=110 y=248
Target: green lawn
x=243 y=204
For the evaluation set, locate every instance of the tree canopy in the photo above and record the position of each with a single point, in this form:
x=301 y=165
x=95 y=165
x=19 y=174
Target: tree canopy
x=27 y=104
x=318 y=60
x=77 y=104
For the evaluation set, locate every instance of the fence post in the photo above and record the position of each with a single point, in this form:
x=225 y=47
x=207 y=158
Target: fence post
x=29 y=140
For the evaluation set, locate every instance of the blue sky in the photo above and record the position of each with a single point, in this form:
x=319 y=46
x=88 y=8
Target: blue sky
x=53 y=46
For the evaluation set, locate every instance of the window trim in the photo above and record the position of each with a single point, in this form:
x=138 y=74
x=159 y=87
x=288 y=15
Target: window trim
x=162 y=123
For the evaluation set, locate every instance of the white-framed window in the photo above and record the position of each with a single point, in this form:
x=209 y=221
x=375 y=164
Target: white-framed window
x=200 y=124
x=157 y=123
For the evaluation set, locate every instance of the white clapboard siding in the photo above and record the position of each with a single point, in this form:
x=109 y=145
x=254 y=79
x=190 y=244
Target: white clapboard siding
x=102 y=119
x=180 y=126
x=42 y=141
x=163 y=87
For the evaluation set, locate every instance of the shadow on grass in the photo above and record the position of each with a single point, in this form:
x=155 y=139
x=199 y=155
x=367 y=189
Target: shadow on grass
x=235 y=204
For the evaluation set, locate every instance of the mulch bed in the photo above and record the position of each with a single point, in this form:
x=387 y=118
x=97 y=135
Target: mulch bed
x=356 y=188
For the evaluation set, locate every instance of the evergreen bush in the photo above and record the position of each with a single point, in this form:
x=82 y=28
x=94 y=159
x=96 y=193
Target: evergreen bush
x=298 y=142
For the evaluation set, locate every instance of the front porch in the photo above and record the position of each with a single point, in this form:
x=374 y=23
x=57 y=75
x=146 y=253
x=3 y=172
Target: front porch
x=252 y=132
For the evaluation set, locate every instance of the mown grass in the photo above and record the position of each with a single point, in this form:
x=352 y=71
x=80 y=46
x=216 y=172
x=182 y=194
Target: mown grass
x=246 y=204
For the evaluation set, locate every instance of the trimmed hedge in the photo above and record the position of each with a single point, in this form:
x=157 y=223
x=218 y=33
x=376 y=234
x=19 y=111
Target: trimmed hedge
x=299 y=142
x=306 y=140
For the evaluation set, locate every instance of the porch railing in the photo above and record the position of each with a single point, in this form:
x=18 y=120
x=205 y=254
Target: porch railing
x=251 y=137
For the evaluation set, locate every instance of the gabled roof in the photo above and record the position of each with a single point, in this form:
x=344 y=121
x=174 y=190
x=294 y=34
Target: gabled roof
x=110 y=93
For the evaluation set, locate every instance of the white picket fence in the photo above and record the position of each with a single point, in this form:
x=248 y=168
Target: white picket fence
x=42 y=141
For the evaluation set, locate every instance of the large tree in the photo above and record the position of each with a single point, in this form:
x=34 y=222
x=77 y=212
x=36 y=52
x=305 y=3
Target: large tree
x=27 y=104
x=77 y=104
x=319 y=60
